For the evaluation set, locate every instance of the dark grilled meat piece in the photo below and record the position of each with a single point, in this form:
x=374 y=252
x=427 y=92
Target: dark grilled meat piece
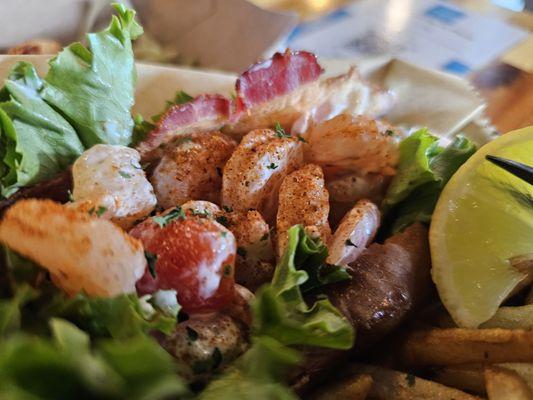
x=389 y=282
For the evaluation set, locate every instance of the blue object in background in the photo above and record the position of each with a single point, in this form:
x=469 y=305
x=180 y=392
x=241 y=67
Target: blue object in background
x=444 y=14
x=456 y=67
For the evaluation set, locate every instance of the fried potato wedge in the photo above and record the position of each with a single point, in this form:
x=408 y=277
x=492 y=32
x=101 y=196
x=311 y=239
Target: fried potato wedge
x=352 y=388
x=511 y=318
x=438 y=347
x=395 y=385
x=81 y=252
x=504 y=384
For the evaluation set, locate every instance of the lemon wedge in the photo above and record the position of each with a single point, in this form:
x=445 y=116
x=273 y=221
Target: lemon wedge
x=481 y=226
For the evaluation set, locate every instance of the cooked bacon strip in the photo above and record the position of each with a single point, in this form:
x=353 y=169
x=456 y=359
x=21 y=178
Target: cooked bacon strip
x=281 y=74
x=204 y=113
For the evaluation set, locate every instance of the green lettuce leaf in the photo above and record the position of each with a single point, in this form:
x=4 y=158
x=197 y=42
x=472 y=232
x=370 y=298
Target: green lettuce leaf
x=423 y=171
x=258 y=374
x=35 y=300
x=281 y=312
x=37 y=143
x=67 y=366
x=93 y=87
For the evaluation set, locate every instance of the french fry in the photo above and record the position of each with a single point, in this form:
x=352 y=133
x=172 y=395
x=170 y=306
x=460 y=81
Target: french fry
x=469 y=377
x=525 y=371
x=512 y=318
x=438 y=347
x=504 y=384
x=352 y=388
x=395 y=385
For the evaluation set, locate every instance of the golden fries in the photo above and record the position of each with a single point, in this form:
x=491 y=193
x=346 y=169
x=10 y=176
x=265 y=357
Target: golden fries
x=395 y=385
x=438 y=347
x=353 y=388
x=512 y=318
x=464 y=377
x=505 y=384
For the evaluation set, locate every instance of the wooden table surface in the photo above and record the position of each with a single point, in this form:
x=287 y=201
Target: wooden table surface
x=507 y=90
x=509 y=95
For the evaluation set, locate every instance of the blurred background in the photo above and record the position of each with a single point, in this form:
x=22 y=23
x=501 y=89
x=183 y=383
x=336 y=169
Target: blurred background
x=487 y=42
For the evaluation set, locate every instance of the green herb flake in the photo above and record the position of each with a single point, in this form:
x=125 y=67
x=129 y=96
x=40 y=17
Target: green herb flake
x=280 y=132
x=222 y=220
x=90 y=211
x=227 y=209
x=272 y=166
x=301 y=138
x=151 y=258
x=227 y=270
x=101 y=211
x=388 y=132
x=410 y=379
x=124 y=174
x=164 y=220
x=350 y=243
x=191 y=334
x=70 y=196
x=182 y=140
x=136 y=165
x=241 y=251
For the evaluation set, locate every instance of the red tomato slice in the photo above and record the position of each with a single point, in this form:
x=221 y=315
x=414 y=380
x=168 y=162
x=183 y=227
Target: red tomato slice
x=194 y=256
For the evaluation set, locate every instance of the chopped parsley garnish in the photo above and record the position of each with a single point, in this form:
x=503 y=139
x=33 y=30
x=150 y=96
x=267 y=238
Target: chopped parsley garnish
x=124 y=174
x=100 y=211
x=350 y=243
x=70 y=196
x=223 y=234
x=265 y=236
x=388 y=132
x=227 y=270
x=301 y=138
x=272 y=166
x=164 y=220
x=191 y=334
x=280 y=132
x=151 y=258
x=222 y=220
x=411 y=379
x=227 y=208
x=241 y=251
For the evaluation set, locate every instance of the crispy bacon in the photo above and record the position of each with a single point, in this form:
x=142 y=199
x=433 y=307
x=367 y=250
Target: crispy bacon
x=204 y=113
x=281 y=74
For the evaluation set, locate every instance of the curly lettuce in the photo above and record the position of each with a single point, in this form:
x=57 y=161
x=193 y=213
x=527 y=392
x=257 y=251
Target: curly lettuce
x=424 y=169
x=93 y=87
x=36 y=141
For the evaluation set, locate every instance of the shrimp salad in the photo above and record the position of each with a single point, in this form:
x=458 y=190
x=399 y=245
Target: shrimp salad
x=239 y=248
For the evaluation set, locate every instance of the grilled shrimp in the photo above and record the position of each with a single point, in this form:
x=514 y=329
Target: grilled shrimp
x=303 y=199
x=255 y=170
x=354 y=233
x=255 y=255
x=110 y=181
x=346 y=190
x=192 y=169
x=81 y=253
x=357 y=144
